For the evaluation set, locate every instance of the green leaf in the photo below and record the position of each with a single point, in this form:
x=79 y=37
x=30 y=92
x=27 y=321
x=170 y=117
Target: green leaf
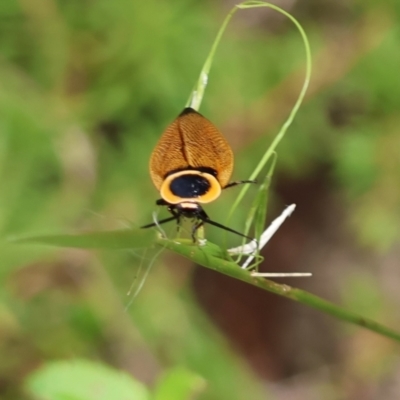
x=202 y=256
x=83 y=380
x=179 y=384
x=117 y=239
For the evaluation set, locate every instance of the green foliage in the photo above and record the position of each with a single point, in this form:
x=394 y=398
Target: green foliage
x=115 y=240
x=83 y=380
x=86 y=88
x=179 y=384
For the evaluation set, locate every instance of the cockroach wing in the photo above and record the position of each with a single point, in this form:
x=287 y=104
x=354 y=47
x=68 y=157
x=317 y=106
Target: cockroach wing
x=191 y=142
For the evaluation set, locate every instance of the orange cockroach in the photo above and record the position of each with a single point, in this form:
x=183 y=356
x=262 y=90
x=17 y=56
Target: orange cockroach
x=190 y=165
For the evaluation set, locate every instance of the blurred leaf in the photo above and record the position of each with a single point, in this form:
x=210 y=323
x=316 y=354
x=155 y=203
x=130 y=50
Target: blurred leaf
x=83 y=380
x=179 y=384
x=356 y=164
x=362 y=293
x=118 y=239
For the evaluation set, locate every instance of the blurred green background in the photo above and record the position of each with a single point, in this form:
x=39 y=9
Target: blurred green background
x=86 y=89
